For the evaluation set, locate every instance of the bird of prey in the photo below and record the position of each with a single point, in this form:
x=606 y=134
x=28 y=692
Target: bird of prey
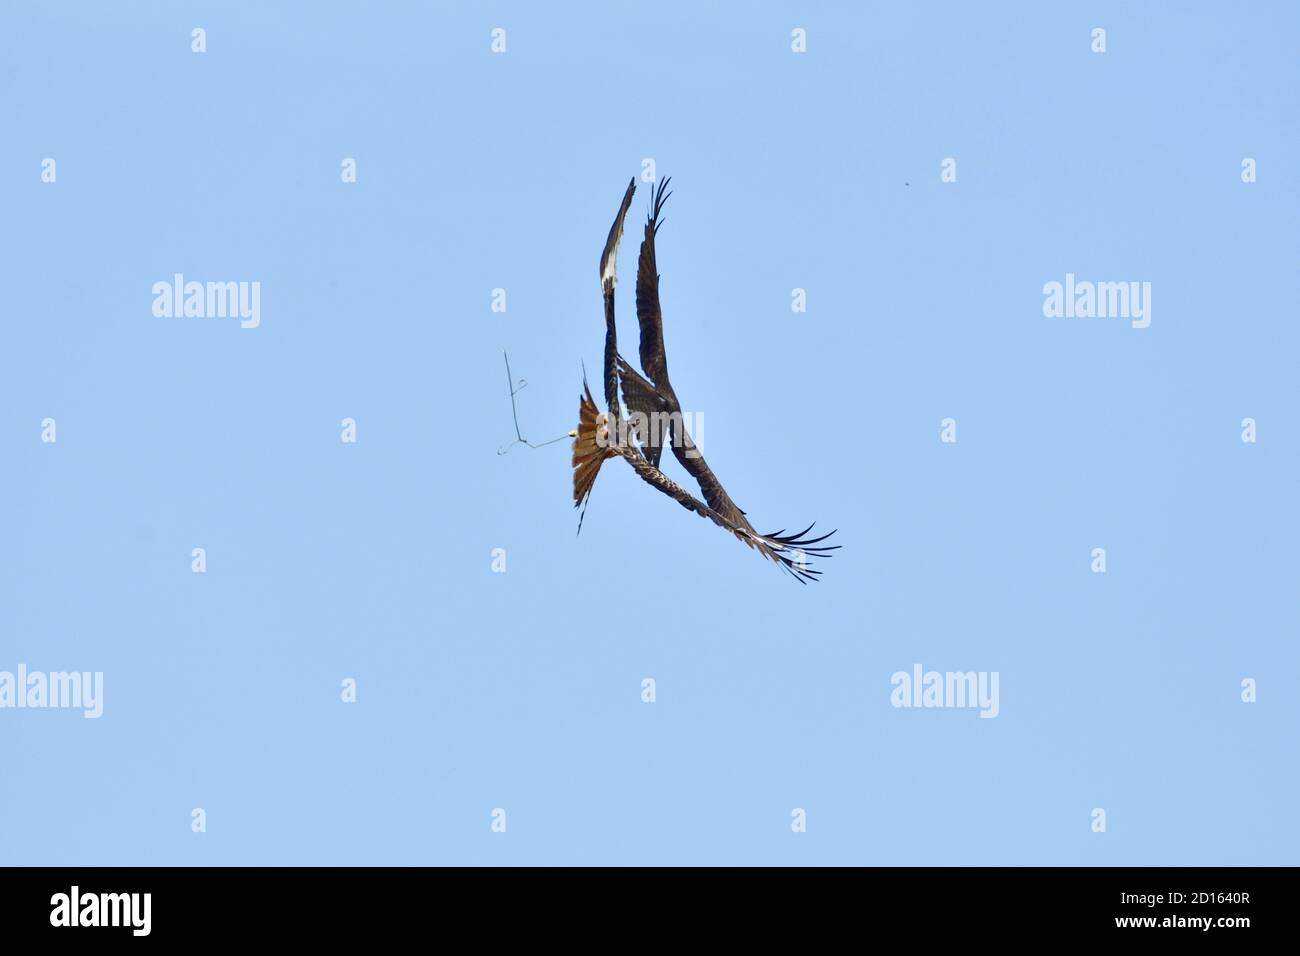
x=655 y=414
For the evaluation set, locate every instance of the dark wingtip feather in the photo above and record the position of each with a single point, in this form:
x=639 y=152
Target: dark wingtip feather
x=784 y=546
x=658 y=197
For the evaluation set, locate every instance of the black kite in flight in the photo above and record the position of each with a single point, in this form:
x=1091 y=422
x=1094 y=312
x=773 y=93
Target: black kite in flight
x=656 y=415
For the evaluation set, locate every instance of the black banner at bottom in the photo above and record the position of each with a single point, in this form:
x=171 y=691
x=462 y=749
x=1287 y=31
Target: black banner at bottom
x=375 y=904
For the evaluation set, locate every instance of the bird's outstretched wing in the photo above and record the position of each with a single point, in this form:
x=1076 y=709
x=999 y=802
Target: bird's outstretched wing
x=653 y=361
x=608 y=279
x=790 y=551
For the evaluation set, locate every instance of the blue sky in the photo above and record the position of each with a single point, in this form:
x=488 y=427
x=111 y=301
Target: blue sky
x=522 y=690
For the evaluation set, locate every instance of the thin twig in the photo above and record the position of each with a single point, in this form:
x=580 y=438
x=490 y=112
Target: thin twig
x=514 y=412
